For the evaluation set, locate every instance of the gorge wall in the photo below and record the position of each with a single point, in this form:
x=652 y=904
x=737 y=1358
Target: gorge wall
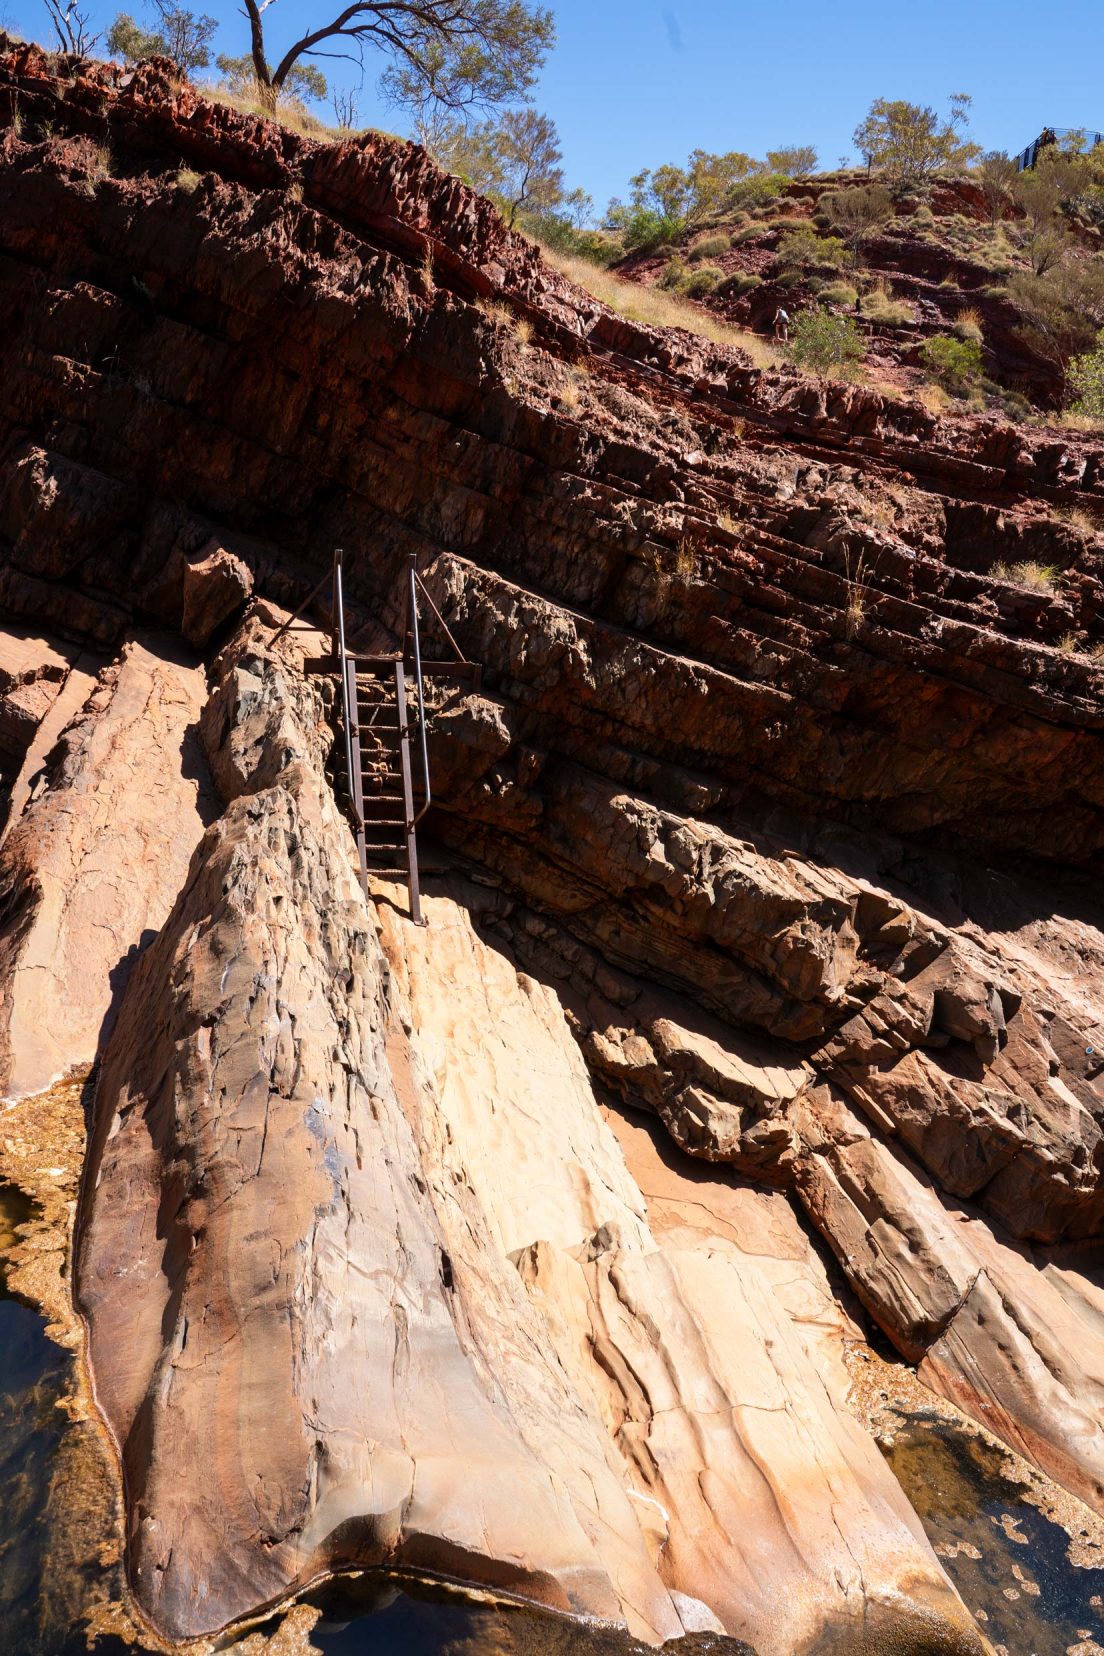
x=766 y=972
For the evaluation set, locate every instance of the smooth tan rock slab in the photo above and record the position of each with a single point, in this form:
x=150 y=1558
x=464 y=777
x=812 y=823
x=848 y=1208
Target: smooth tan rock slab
x=270 y=1293
x=689 y=1349
x=91 y=867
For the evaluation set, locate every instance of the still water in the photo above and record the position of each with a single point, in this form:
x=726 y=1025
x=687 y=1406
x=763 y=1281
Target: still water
x=1006 y=1558
x=1009 y=1561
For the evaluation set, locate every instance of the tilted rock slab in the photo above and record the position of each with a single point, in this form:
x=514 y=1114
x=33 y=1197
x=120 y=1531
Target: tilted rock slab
x=757 y=1489
x=91 y=868
x=377 y=1266
x=269 y=1295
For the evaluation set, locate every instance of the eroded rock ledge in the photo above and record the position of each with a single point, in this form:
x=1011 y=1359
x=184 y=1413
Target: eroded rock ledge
x=774 y=830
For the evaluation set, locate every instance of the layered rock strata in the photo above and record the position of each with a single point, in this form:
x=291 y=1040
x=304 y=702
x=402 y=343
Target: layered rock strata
x=778 y=793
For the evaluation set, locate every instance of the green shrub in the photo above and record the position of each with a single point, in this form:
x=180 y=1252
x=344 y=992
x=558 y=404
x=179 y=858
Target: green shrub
x=1085 y=382
x=741 y=281
x=803 y=248
x=709 y=247
x=751 y=232
x=704 y=279
x=953 y=362
x=645 y=228
x=760 y=187
x=824 y=343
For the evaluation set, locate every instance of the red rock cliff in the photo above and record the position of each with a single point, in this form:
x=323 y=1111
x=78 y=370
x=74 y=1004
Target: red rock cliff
x=774 y=832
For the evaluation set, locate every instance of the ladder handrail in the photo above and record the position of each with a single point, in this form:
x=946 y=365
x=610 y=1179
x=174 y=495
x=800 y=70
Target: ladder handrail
x=415 y=637
x=337 y=628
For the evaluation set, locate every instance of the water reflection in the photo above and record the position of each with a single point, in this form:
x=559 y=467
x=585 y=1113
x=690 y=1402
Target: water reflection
x=1006 y=1558
x=364 y=1617
x=32 y=1382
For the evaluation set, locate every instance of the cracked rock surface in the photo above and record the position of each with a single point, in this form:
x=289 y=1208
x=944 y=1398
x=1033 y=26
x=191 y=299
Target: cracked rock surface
x=761 y=1004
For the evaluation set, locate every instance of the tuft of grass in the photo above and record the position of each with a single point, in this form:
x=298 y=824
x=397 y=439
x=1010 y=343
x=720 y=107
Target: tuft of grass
x=188 y=180
x=839 y=293
x=704 y=279
x=655 y=309
x=569 y=396
x=879 y=305
x=708 y=247
x=967 y=325
x=1032 y=576
x=295 y=192
x=1079 y=422
x=858 y=600
x=685 y=561
x=523 y=331
x=1069 y=644
x=1077 y=518
x=740 y=282
x=934 y=399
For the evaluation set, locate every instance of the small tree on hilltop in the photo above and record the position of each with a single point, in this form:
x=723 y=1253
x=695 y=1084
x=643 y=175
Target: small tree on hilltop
x=304 y=80
x=823 y=343
x=453 y=54
x=794 y=160
x=996 y=175
x=1040 y=197
x=72 y=26
x=183 y=36
x=908 y=143
x=856 y=213
x=665 y=202
x=529 y=157
x=515 y=160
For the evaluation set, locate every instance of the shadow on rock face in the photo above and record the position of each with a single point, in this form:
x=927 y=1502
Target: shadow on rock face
x=374 y=1616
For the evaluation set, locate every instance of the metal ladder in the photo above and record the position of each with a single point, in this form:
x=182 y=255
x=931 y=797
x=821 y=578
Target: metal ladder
x=386 y=769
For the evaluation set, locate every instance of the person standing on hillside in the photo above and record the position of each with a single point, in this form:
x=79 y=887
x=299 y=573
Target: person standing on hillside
x=782 y=325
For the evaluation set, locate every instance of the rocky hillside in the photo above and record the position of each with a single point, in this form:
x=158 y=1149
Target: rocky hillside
x=759 y=1012
x=944 y=263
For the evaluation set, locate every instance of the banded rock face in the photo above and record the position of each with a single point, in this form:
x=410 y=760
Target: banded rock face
x=805 y=862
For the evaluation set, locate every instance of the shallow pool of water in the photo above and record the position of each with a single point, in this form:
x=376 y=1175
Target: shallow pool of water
x=1008 y=1560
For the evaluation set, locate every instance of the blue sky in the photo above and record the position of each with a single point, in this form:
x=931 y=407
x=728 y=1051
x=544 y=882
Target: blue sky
x=634 y=83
